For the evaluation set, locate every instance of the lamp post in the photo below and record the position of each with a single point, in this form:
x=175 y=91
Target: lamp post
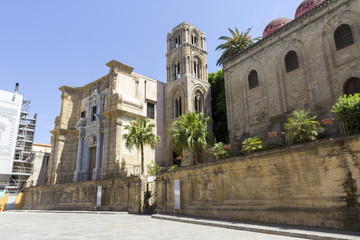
x=128 y=187
x=165 y=183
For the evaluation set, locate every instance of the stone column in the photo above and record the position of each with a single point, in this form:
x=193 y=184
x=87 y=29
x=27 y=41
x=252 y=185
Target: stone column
x=57 y=159
x=97 y=170
x=78 y=161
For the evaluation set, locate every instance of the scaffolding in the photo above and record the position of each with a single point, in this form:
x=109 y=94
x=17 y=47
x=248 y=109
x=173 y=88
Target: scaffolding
x=22 y=164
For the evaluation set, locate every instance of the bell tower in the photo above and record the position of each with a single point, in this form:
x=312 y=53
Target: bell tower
x=187 y=87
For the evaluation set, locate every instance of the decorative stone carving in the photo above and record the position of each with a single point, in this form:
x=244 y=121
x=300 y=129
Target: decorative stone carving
x=92 y=141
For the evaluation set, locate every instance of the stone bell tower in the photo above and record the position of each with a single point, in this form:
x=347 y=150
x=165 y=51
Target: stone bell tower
x=187 y=86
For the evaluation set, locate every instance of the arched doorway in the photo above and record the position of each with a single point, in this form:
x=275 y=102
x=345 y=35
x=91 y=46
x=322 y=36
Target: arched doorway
x=352 y=86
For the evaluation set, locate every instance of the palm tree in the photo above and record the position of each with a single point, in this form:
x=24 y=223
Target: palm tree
x=234 y=44
x=190 y=132
x=140 y=133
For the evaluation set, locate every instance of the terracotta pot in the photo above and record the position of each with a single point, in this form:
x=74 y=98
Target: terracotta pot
x=328 y=121
x=227 y=146
x=272 y=134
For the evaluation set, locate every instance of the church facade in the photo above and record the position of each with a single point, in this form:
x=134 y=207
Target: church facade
x=87 y=138
x=305 y=63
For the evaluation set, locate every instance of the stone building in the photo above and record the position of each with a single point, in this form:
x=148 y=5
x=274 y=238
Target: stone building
x=40 y=161
x=87 y=138
x=187 y=87
x=305 y=63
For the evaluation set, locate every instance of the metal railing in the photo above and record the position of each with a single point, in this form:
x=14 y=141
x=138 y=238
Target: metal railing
x=350 y=124
x=22 y=169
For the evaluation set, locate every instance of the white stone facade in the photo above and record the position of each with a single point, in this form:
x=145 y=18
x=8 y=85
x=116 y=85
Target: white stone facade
x=87 y=138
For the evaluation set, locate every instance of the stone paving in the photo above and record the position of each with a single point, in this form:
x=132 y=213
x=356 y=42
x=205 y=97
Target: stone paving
x=82 y=225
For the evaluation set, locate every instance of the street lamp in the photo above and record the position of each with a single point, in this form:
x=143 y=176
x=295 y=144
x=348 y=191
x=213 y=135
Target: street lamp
x=165 y=182
x=128 y=187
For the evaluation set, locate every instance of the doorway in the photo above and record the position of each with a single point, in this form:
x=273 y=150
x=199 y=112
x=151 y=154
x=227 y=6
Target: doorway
x=92 y=161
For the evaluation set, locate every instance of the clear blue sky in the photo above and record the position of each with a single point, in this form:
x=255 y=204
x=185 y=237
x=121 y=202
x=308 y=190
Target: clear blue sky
x=45 y=44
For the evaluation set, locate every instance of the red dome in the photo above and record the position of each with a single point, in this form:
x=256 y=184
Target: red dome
x=306 y=6
x=275 y=25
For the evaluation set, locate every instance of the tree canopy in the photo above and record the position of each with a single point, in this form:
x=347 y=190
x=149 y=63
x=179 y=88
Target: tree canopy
x=218 y=105
x=235 y=44
x=140 y=133
x=190 y=132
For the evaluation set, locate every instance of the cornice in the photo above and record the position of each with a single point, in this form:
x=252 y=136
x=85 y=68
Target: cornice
x=113 y=64
x=79 y=89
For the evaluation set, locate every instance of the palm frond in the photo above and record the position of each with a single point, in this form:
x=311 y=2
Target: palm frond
x=235 y=44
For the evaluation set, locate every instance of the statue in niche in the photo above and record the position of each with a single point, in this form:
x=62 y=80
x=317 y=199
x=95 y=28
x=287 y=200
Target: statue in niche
x=92 y=141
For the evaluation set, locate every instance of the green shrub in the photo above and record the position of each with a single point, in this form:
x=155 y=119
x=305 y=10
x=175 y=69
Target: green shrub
x=173 y=168
x=154 y=168
x=252 y=145
x=301 y=127
x=347 y=110
x=219 y=151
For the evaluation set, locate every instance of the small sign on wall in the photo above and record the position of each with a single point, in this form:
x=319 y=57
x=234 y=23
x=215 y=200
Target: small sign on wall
x=177 y=194
x=98 y=202
x=150 y=179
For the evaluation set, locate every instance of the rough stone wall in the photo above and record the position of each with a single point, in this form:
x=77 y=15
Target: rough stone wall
x=83 y=196
x=301 y=185
x=316 y=84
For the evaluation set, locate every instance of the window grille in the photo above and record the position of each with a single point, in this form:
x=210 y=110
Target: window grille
x=343 y=37
x=253 y=79
x=291 y=61
x=150 y=110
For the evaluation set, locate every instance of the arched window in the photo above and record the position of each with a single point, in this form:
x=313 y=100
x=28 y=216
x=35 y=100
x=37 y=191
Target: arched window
x=177 y=41
x=352 y=86
x=197 y=68
x=253 y=79
x=176 y=71
x=343 y=37
x=198 y=102
x=194 y=40
x=291 y=61
x=177 y=109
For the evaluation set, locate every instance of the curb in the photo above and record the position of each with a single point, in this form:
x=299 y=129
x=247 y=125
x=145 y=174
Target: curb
x=77 y=212
x=315 y=234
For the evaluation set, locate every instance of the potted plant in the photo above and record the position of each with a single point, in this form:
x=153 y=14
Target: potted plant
x=328 y=121
x=272 y=134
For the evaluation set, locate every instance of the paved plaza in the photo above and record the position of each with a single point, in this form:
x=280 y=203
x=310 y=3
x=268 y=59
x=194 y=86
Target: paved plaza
x=51 y=225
